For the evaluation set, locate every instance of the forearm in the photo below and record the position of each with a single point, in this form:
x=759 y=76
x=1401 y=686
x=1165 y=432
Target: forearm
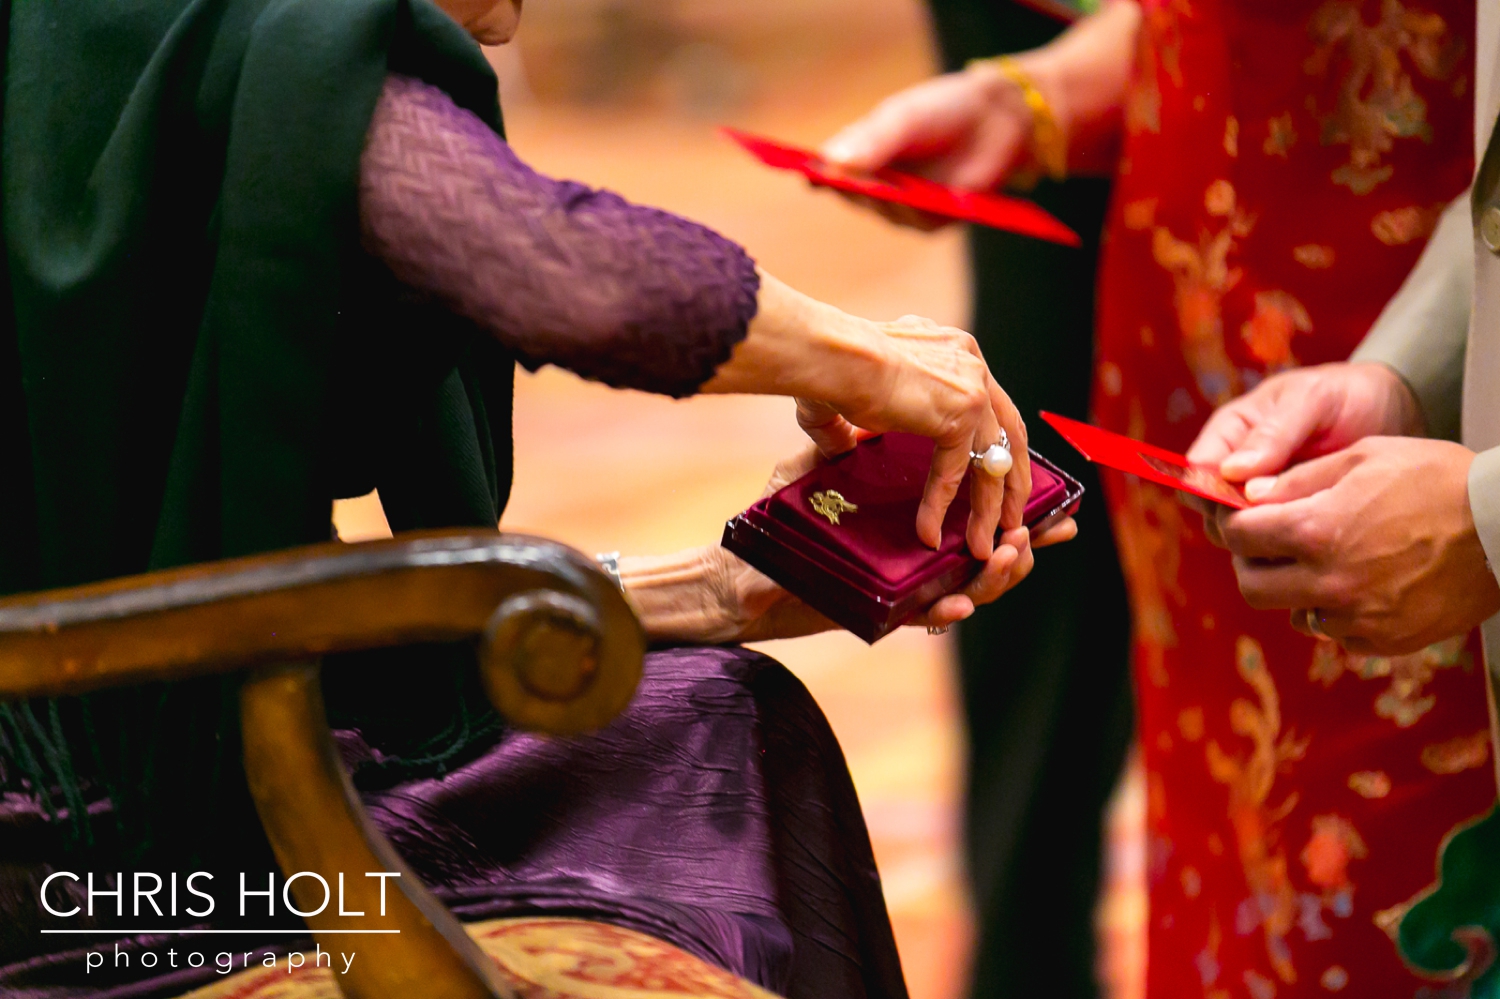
x=1085 y=74
x=798 y=346
x=562 y=274
x=677 y=597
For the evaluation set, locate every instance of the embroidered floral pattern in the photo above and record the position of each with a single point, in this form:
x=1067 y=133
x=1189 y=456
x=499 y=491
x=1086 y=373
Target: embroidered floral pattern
x=1456 y=755
x=1268 y=333
x=1406 y=699
x=1400 y=226
x=1376 y=103
x=1314 y=256
x=1286 y=805
x=1201 y=277
x=1151 y=555
x=1159 y=53
x=1272 y=905
x=1281 y=136
x=1370 y=783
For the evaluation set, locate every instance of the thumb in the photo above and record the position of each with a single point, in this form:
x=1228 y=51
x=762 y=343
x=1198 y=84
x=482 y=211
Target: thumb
x=789 y=470
x=1272 y=440
x=1302 y=481
x=829 y=431
x=876 y=139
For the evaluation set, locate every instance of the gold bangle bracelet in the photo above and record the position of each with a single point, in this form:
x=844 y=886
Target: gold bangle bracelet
x=1049 y=145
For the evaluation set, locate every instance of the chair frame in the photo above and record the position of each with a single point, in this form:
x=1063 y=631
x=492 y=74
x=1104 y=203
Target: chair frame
x=559 y=651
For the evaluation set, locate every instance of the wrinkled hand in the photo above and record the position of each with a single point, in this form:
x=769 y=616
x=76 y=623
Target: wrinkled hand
x=1377 y=540
x=760 y=609
x=936 y=383
x=968 y=129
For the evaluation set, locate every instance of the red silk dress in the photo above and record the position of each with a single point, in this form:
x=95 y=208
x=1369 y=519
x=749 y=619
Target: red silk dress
x=1285 y=161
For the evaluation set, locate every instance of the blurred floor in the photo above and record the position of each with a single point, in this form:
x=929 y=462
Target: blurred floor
x=627 y=96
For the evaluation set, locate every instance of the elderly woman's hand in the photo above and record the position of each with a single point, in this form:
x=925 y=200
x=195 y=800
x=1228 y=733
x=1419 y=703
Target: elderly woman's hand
x=709 y=595
x=933 y=381
x=910 y=375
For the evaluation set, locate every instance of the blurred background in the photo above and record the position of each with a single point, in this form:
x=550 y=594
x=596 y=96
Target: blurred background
x=628 y=94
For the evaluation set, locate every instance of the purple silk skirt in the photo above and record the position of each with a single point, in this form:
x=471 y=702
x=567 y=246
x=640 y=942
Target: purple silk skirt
x=716 y=813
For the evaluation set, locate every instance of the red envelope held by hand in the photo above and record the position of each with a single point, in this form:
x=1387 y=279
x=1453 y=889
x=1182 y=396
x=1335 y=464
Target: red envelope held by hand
x=1153 y=464
x=982 y=208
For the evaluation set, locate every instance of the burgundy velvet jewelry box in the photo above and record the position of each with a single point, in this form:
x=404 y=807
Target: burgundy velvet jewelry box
x=843 y=538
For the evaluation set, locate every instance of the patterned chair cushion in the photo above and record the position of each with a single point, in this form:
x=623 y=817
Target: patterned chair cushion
x=544 y=959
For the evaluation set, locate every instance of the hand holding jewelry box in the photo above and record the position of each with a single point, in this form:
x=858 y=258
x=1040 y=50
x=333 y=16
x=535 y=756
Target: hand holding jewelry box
x=842 y=537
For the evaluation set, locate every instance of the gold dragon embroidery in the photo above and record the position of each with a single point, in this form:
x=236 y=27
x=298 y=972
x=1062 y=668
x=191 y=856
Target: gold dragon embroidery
x=1268 y=333
x=1334 y=843
x=1151 y=552
x=1159 y=52
x=1375 y=102
x=1202 y=276
x=1273 y=905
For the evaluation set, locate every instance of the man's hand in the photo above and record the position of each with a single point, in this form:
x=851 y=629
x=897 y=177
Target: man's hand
x=1375 y=542
x=1303 y=414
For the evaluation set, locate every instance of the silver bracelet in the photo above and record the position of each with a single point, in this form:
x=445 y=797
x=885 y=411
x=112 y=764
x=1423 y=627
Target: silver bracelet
x=609 y=564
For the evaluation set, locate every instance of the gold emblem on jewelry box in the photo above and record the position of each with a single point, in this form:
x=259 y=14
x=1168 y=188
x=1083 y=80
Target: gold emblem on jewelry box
x=830 y=504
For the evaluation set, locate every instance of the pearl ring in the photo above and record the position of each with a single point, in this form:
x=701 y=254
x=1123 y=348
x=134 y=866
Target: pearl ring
x=995 y=460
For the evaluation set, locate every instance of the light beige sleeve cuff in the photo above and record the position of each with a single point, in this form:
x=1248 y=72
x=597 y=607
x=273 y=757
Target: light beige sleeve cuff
x=1423 y=331
x=1484 y=502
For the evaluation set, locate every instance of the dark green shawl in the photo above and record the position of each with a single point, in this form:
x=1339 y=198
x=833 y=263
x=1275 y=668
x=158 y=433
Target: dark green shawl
x=198 y=359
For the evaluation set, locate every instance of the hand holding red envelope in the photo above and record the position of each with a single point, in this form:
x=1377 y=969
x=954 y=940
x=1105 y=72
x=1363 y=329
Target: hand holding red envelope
x=979 y=207
x=1153 y=464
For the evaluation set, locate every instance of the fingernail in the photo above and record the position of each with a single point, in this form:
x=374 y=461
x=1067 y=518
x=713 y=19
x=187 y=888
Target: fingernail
x=1259 y=488
x=840 y=150
x=1240 y=459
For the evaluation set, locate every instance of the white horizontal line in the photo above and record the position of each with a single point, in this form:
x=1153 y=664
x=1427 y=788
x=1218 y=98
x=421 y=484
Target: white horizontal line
x=304 y=933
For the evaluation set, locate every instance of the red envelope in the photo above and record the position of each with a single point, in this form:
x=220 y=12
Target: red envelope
x=994 y=210
x=1153 y=464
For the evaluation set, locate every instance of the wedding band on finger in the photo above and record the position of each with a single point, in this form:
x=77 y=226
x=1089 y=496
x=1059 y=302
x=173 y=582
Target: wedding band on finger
x=995 y=460
x=937 y=629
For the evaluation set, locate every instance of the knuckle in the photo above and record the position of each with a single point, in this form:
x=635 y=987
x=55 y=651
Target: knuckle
x=1229 y=531
x=954 y=427
x=1338 y=591
x=1313 y=537
x=1249 y=584
x=1021 y=434
x=1254 y=595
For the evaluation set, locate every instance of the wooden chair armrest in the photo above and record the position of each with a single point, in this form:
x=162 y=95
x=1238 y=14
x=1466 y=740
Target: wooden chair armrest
x=559 y=648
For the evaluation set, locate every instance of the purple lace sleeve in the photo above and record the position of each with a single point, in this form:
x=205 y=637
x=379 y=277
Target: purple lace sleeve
x=634 y=297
